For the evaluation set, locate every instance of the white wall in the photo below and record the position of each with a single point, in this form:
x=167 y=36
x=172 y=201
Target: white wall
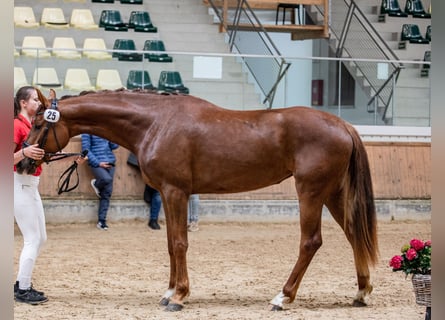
x=296 y=88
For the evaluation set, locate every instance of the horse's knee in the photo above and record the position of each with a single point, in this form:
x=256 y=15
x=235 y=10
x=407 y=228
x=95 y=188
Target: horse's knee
x=312 y=245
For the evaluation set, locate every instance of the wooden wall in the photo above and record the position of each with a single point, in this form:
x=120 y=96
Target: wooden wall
x=400 y=170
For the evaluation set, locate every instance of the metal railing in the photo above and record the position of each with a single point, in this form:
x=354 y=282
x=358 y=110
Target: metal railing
x=267 y=72
x=357 y=37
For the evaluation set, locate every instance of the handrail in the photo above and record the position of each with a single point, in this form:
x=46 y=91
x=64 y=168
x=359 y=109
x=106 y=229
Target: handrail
x=264 y=41
x=354 y=12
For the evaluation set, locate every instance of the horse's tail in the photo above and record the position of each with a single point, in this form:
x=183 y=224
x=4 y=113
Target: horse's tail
x=361 y=220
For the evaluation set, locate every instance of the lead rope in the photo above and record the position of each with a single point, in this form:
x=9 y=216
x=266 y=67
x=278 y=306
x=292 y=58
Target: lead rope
x=64 y=186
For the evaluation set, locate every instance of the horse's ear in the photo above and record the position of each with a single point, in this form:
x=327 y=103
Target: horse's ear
x=42 y=98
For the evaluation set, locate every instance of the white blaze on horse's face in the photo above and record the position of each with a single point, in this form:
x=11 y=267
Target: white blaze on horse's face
x=51 y=115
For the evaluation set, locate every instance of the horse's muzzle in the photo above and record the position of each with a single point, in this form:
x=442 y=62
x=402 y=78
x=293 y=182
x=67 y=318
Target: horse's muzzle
x=26 y=166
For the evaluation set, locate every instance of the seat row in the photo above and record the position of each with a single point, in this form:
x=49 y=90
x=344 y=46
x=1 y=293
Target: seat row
x=93 y=48
x=414 y=8
x=77 y=79
x=110 y=20
x=412 y=34
x=121 y=1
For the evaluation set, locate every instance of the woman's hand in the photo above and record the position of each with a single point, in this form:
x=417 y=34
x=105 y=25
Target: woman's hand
x=34 y=152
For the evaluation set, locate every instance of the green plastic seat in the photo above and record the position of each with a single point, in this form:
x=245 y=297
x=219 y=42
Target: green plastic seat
x=127 y=45
x=139 y=79
x=411 y=33
x=156 y=45
x=427 y=58
x=132 y=1
x=392 y=8
x=428 y=33
x=416 y=9
x=111 y=20
x=140 y=21
x=170 y=81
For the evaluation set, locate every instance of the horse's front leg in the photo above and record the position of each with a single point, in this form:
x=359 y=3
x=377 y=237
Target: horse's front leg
x=175 y=208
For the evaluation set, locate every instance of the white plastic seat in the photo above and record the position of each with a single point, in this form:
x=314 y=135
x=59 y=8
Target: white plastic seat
x=46 y=77
x=64 y=47
x=24 y=17
x=83 y=19
x=54 y=18
x=16 y=53
x=90 y=44
x=108 y=79
x=19 y=78
x=77 y=79
x=35 y=46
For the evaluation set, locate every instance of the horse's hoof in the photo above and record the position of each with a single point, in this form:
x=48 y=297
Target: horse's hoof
x=173 y=307
x=276 y=308
x=164 y=302
x=359 y=303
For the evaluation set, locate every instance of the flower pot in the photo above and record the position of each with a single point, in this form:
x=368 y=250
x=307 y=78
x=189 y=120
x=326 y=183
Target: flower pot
x=422 y=289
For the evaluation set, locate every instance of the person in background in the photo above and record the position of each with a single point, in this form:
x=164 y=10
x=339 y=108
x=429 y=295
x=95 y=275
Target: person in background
x=52 y=95
x=193 y=213
x=28 y=208
x=153 y=198
x=102 y=161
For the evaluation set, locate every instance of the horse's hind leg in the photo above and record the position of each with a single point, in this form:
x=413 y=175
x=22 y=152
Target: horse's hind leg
x=310 y=241
x=336 y=208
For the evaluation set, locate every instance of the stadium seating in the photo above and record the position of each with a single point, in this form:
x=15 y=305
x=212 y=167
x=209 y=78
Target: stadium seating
x=111 y=20
x=140 y=21
x=24 y=17
x=46 y=77
x=392 y=8
x=156 y=45
x=428 y=33
x=19 y=78
x=54 y=18
x=139 y=79
x=416 y=9
x=64 y=47
x=132 y=1
x=83 y=19
x=95 y=48
x=424 y=72
x=77 y=79
x=411 y=33
x=126 y=45
x=108 y=79
x=170 y=81
x=38 y=46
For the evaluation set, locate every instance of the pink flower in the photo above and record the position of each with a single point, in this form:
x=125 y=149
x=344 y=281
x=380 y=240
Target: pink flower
x=428 y=243
x=417 y=244
x=411 y=254
x=396 y=262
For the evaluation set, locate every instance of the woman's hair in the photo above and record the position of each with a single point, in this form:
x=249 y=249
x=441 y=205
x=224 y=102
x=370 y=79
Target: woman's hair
x=24 y=93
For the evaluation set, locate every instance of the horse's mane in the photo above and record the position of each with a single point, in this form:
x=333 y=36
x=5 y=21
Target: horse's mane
x=144 y=91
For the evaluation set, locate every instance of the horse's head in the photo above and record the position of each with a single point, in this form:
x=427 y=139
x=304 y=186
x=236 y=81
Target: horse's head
x=48 y=131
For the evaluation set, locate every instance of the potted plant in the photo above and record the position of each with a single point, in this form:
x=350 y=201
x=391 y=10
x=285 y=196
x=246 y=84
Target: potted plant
x=415 y=260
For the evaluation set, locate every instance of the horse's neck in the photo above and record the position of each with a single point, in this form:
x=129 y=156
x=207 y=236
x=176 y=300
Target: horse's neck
x=106 y=120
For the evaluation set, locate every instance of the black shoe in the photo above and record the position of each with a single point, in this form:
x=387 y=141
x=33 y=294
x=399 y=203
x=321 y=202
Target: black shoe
x=16 y=289
x=102 y=226
x=154 y=225
x=30 y=296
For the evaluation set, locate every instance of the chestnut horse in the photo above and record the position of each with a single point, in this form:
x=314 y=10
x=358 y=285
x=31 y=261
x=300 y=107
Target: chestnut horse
x=186 y=145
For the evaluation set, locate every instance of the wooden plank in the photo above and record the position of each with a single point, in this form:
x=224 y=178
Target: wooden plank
x=264 y=4
x=287 y=28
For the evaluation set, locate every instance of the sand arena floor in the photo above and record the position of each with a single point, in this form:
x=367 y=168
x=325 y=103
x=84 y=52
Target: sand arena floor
x=235 y=269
